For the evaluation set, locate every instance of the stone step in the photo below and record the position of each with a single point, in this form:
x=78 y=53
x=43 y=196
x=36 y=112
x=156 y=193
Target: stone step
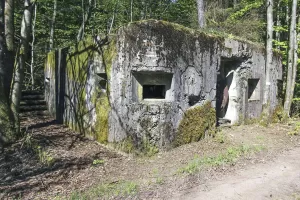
x=32 y=102
x=32 y=92
x=33 y=97
x=27 y=108
x=34 y=113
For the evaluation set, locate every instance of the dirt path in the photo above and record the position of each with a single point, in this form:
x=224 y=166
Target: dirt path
x=278 y=179
x=53 y=161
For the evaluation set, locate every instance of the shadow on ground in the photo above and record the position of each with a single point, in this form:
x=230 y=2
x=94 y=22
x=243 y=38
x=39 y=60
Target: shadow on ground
x=47 y=154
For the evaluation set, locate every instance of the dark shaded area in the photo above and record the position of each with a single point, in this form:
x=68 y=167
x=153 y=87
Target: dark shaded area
x=44 y=157
x=252 y=85
x=154 y=91
x=224 y=80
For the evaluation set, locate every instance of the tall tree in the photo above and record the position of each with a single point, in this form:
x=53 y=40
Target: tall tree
x=291 y=66
x=51 y=41
x=269 y=53
x=201 y=17
x=6 y=129
x=32 y=48
x=9 y=37
x=22 y=57
x=86 y=14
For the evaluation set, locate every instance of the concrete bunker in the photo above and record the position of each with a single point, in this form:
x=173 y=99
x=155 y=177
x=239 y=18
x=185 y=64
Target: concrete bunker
x=155 y=73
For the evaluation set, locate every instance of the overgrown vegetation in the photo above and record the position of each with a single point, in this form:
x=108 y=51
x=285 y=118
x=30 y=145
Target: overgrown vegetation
x=231 y=155
x=196 y=123
x=120 y=189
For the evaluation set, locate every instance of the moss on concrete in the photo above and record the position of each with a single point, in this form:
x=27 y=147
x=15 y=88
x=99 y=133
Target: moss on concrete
x=78 y=60
x=102 y=113
x=195 y=124
x=50 y=63
x=109 y=54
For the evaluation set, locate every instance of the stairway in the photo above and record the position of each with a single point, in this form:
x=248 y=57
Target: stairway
x=32 y=103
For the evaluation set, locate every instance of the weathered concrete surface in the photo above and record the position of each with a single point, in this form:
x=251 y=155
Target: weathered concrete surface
x=140 y=86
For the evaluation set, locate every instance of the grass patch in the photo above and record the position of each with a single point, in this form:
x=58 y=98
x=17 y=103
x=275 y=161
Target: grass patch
x=123 y=189
x=98 y=162
x=296 y=130
x=229 y=157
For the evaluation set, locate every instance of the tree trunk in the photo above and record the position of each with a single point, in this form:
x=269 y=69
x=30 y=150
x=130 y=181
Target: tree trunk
x=290 y=61
x=51 y=41
x=6 y=121
x=278 y=23
x=201 y=17
x=269 y=55
x=131 y=7
x=32 y=49
x=9 y=37
x=295 y=63
x=85 y=18
x=19 y=69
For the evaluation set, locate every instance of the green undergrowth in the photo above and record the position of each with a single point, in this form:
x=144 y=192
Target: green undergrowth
x=277 y=116
x=196 y=123
x=116 y=190
x=145 y=148
x=296 y=130
x=230 y=157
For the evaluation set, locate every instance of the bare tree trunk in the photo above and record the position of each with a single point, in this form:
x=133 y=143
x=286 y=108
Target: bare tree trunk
x=295 y=63
x=201 y=17
x=32 y=49
x=113 y=17
x=9 y=37
x=85 y=17
x=7 y=134
x=234 y=3
x=278 y=23
x=290 y=61
x=51 y=41
x=269 y=55
x=19 y=69
x=131 y=7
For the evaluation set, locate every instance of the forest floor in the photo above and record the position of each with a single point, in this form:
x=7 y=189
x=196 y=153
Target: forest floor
x=53 y=162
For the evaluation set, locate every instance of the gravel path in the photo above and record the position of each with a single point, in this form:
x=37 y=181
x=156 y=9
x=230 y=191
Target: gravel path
x=278 y=179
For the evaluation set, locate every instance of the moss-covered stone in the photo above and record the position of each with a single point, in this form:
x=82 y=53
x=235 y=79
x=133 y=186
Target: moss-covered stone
x=195 y=124
x=50 y=63
x=78 y=60
x=102 y=112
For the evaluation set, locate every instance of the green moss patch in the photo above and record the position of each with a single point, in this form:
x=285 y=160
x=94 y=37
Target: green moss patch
x=77 y=61
x=196 y=123
x=102 y=112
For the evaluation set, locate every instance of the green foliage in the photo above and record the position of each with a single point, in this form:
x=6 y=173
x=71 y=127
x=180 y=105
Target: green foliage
x=98 y=161
x=279 y=115
x=196 y=123
x=220 y=137
x=246 y=9
x=296 y=130
x=122 y=189
x=44 y=156
x=229 y=157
